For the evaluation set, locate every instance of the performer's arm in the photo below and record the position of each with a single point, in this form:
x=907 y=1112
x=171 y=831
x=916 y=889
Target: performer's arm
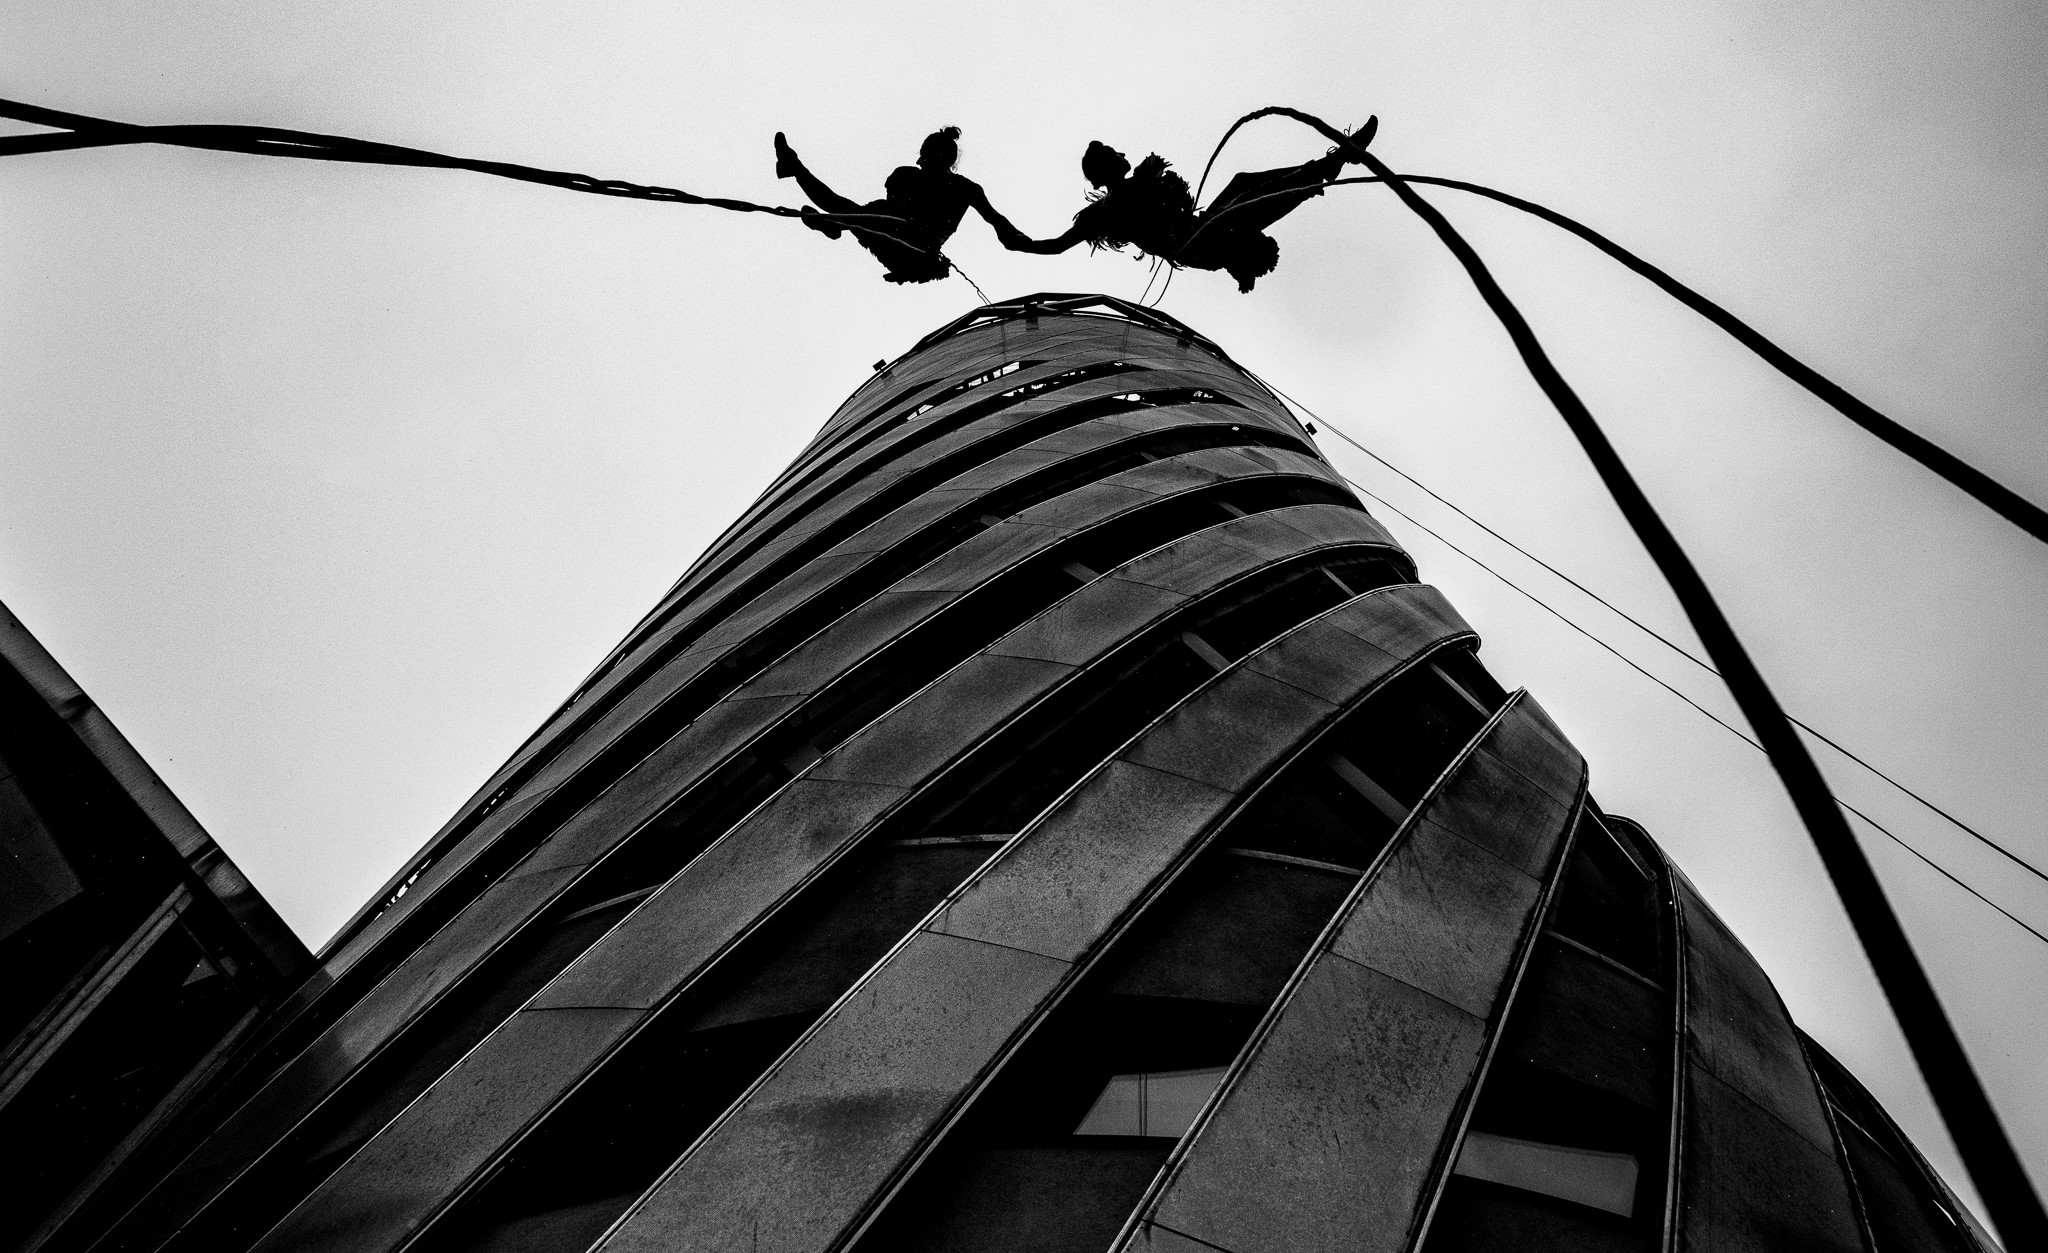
x=1011 y=237
x=1075 y=234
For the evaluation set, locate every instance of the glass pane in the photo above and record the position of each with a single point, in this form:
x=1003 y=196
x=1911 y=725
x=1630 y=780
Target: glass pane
x=1119 y=1111
x=1605 y=1181
x=1161 y=1104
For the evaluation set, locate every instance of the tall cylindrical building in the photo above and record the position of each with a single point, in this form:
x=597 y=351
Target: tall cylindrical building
x=1054 y=817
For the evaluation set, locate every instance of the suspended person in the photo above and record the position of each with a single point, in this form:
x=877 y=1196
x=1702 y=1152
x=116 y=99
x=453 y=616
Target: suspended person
x=1151 y=209
x=923 y=205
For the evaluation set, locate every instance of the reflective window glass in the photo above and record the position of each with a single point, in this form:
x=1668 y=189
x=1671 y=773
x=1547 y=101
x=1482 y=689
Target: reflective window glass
x=1605 y=1181
x=1160 y=1104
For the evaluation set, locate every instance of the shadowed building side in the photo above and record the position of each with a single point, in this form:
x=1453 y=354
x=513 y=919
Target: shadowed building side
x=136 y=954
x=1052 y=817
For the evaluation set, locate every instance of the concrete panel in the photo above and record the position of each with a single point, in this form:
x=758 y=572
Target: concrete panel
x=1329 y=1139
x=1209 y=562
x=1580 y=1017
x=1518 y=797
x=1308 y=669
x=1075 y=872
x=378 y=1198
x=858 y=634
x=1737 y=1028
x=1749 y=1184
x=713 y=899
x=1228 y=738
x=1328 y=521
x=826 y=1129
x=1757 y=1167
x=935 y=726
x=1444 y=916
x=1082 y=627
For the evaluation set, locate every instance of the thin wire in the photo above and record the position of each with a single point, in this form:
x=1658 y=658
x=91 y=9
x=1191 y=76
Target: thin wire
x=1556 y=613
x=1151 y=278
x=1171 y=270
x=1631 y=663
x=1669 y=643
x=970 y=282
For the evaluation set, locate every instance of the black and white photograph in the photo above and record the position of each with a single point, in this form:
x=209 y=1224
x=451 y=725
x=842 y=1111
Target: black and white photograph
x=1088 y=628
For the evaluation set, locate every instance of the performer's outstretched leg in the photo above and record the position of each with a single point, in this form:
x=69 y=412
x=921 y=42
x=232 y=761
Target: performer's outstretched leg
x=1230 y=234
x=789 y=165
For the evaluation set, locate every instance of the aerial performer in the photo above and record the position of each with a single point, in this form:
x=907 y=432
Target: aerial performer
x=1151 y=209
x=921 y=208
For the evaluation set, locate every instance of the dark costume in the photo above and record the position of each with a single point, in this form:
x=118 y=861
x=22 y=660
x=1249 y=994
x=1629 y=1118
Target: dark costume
x=924 y=206
x=907 y=248
x=1152 y=210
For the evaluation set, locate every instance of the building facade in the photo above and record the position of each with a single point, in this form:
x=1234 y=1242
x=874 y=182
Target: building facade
x=136 y=956
x=1053 y=817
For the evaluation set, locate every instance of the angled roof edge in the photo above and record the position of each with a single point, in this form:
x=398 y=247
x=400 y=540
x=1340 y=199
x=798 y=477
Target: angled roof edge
x=209 y=865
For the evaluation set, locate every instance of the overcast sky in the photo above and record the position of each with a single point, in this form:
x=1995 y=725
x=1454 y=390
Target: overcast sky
x=328 y=482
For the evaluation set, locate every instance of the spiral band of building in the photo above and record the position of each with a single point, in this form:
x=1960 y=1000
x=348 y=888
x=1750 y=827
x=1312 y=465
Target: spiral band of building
x=1053 y=817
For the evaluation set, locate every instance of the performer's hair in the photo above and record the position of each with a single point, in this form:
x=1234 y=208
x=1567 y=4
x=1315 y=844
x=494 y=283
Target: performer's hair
x=1101 y=163
x=941 y=150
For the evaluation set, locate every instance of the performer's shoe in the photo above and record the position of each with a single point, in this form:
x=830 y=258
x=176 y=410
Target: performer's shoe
x=1362 y=137
x=817 y=222
x=786 y=164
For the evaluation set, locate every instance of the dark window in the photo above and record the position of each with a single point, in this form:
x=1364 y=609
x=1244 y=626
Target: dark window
x=1610 y=903
x=34 y=876
x=163 y=1014
x=1345 y=800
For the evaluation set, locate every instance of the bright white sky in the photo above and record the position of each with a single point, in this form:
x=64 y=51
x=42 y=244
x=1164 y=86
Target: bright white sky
x=329 y=482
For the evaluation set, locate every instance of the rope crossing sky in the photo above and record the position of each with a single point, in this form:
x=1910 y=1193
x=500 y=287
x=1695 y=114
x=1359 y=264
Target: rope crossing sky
x=82 y=131
x=1965 y=1108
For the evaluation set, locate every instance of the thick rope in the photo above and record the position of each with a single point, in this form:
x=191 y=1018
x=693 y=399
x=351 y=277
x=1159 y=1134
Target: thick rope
x=1987 y=491
x=1957 y=1092
x=91 y=132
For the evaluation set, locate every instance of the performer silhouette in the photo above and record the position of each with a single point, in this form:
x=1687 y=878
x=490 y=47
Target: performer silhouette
x=1151 y=209
x=926 y=202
